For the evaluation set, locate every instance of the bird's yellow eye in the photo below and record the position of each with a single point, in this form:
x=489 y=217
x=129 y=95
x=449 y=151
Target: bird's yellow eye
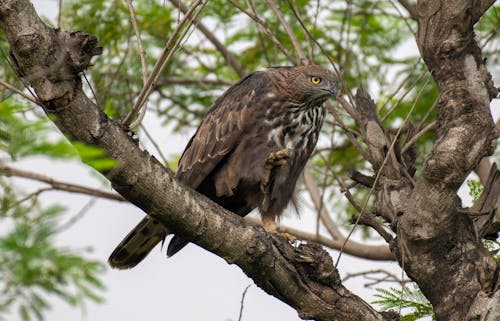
x=315 y=80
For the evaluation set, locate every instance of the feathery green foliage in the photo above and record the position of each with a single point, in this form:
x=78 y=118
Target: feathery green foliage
x=32 y=266
x=405 y=298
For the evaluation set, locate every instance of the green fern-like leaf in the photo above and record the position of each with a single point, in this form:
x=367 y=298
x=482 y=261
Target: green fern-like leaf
x=404 y=298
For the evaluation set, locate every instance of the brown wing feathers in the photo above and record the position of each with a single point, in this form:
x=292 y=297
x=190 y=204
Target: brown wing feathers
x=215 y=138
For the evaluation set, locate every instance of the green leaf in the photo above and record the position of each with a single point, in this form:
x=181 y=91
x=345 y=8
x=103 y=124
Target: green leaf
x=95 y=157
x=32 y=266
x=475 y=189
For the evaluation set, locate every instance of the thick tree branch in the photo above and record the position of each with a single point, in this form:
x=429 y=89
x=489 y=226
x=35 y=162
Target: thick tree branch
x=302 y=277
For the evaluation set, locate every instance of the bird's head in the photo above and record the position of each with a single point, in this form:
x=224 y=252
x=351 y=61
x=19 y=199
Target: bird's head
x=310 y=84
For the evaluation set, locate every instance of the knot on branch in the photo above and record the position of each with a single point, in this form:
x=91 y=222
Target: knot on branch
x=50 y=61
x=81 y=47
x=314 y=263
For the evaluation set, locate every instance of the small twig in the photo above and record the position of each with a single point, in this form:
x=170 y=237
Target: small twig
x=97 y=102
x=415 y=137
x=348 y=132
x=346 y=105
x=389 y=277
x=59 y=14
x=192 y=81
x=315 y=41
x=371 y=252
x=266 y=30
x=427 y=114
x=243 y=301
x=389 y=112
x=289 y=31
x=28 y=197
x=401 y=84
x=408 y=7
x=231 y=60
x=77 y=216
x=368 y=219
x=58 y=185
x=167 y=60
x=315 y=195
x=346 y=20
x=158 y=67
x=155 y=145
x=142 y=53
x=412 y=10
x=19 y=92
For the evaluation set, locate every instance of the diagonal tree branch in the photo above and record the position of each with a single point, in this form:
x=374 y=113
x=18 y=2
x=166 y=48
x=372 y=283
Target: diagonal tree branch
x=302 y=277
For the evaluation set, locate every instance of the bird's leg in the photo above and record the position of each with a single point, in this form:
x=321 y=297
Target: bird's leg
x=269 y=223
x=275 y=159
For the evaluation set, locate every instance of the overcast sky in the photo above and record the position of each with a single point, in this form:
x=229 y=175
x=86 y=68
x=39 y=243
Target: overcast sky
x=193 y=285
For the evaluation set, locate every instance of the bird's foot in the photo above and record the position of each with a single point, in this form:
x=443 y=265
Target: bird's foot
x=271 y=227
x=287 y=236
x=275 y=159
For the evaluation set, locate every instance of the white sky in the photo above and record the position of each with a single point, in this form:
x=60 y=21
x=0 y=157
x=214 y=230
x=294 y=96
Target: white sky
x=193 y=285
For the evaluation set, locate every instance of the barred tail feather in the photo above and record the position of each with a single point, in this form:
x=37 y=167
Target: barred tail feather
x=137 y=244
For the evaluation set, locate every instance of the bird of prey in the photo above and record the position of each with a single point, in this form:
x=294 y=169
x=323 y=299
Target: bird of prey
x=248 y=151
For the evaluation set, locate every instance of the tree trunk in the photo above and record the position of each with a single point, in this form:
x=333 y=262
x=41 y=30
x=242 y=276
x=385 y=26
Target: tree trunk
x=437 y=243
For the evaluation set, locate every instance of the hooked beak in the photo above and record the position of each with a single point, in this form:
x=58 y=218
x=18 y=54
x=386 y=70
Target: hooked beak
x=334 y=89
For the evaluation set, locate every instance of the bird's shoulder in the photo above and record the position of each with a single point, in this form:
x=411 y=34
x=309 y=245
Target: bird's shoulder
x=231 y=115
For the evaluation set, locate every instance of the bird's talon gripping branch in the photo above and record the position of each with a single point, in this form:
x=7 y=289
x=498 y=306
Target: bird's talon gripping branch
x=270 y=226
x=287 y=236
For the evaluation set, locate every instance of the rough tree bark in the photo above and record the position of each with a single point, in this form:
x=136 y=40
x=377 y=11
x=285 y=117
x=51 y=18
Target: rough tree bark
x=436 y=241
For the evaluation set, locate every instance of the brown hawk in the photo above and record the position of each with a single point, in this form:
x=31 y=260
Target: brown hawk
x=248 y=152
